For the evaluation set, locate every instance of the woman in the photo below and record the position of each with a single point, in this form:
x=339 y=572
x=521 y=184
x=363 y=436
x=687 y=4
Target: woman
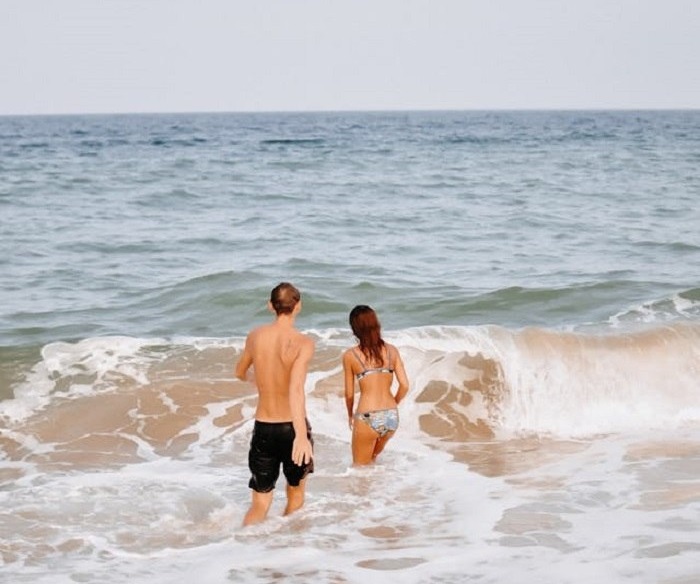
x=373 y=364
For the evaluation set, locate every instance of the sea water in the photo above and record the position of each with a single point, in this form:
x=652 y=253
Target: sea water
x=538 y=271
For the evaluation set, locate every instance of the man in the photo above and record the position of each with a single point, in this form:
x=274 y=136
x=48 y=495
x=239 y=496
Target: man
x=279 y=355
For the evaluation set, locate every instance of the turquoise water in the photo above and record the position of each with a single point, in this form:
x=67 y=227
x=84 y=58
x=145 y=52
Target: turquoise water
x=537 y=270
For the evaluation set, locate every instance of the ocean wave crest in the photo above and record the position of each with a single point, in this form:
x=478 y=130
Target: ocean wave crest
x=466 y=382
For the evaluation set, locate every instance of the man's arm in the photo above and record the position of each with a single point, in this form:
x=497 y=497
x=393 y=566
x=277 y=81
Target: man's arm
x=244 y=363
x=301 y=449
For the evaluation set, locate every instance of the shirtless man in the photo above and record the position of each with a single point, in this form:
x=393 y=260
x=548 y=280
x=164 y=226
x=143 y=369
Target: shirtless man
x=279 y=355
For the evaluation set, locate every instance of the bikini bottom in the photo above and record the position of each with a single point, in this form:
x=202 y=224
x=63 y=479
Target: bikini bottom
x=381 y=421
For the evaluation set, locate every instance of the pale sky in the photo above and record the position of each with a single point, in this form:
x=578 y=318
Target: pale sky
x=104 y=56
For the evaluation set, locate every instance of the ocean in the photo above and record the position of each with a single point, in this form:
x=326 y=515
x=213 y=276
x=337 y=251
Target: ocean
x=538 y=270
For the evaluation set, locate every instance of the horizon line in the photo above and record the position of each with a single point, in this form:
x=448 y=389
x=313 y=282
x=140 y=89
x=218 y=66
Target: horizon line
x=353 y=111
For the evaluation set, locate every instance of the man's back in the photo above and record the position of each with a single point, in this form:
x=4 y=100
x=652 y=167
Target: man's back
x=276 y=351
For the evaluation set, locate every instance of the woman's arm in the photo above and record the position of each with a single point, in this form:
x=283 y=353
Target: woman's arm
x=349 y=382
x=401 y=377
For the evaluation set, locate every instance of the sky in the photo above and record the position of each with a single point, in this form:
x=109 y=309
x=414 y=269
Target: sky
x=110 y=56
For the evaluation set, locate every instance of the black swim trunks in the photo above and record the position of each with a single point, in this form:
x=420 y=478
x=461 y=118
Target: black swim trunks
x=270 y=446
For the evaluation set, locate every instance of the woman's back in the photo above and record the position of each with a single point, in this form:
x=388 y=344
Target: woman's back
x=374 y=378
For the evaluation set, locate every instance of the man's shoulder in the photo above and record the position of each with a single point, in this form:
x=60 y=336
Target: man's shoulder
x=306 y=340
x=305 y=343
x=258 y=330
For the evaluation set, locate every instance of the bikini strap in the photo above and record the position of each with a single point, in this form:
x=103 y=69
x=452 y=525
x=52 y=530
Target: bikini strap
x=388 y=358
x=359 y=359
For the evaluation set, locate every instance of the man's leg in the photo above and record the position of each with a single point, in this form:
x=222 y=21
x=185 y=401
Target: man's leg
x=295 y=497
x=258 y=508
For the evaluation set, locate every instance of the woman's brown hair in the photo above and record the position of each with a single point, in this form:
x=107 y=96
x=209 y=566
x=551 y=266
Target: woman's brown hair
x=366 y=327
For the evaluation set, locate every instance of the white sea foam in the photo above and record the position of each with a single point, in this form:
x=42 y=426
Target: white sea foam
x=618 y=507
x=657 y=311
x=417 y=516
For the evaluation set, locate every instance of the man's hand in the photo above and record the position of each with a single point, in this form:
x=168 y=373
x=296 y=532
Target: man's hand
x=302 y=451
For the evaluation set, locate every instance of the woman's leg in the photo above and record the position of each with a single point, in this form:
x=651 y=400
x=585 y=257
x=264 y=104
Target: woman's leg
x=380 y=444
x=364 y=441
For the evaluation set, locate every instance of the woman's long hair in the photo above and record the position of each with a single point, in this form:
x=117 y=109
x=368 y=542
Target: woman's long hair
x=366 y=327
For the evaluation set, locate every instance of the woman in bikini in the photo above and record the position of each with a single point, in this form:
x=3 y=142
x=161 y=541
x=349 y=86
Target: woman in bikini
x=373 y=364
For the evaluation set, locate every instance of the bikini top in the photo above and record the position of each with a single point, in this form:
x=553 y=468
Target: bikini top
x=369 y=370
